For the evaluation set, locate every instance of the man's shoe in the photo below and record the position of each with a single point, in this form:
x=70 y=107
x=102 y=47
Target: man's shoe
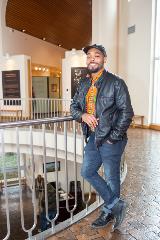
x=102 y=220
x=119 y=212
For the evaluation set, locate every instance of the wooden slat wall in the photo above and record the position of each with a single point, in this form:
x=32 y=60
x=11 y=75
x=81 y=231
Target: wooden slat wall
x=66 y=22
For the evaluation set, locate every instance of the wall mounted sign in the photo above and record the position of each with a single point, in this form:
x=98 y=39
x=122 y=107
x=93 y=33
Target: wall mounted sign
x=76 y=74
x=11 y=85
x=51 y=167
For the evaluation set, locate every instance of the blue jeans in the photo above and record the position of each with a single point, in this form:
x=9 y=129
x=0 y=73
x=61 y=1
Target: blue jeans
x=110 y=156
x=44 y=223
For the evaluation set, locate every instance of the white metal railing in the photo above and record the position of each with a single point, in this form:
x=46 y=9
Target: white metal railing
x=43 y=124
x=30 y=124
x=32 y=108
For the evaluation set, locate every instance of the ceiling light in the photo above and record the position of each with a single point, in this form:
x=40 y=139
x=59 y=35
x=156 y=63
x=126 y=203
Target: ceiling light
x=73 y=51
x=36 y=68
x=11 y=30
x=44 y=39
x=59 y=45
x=39 y=68
x=23 y=30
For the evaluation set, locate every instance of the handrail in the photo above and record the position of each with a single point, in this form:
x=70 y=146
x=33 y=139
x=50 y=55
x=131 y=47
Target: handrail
x=35 y=122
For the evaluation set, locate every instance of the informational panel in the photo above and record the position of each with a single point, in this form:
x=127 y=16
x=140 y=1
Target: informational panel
x=40 y=88
x=76 y=74
x=54 y=87
x=11 y=85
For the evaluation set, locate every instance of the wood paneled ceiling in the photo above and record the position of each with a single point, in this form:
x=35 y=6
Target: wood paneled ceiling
x=62 y=22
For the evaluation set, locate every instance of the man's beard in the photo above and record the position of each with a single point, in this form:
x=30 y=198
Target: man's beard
x=95 y=70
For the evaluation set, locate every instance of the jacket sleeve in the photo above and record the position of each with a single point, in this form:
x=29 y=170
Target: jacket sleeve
x=125 y=112
x=75 y=107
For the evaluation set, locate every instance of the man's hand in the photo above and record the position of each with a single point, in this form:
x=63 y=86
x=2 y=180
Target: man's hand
x=90 y=120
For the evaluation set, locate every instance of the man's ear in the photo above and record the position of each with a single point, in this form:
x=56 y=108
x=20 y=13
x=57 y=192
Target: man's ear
x=105 y=59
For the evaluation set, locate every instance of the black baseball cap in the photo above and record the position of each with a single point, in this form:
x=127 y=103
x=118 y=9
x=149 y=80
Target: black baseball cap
x=99 y=47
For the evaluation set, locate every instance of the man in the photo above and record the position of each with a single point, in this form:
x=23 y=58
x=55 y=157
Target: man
x=39 y=187
x=102 y=104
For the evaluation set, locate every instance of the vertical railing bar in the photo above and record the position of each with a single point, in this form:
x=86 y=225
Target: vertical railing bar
x=43 y=108
x=40 y=105
x=75 y=163
x=33 y=179
x=66 y=170
x=45 y=180
x=86 y=202
x=45 y=172
x=66 y=164
x=29 y=231
x=46 y=108
x=56 y=167
x=51 y=106
x=48 y=115
x=5 y=186
x=35 y=109
x=57 y=107
x=19 y=177
x=54 y=107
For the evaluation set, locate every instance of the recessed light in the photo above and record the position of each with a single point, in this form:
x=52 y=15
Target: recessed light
x=59 y=45
x=23 y=30
x=44 y=39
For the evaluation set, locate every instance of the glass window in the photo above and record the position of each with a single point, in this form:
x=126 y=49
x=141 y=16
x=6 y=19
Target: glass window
x=156 y=88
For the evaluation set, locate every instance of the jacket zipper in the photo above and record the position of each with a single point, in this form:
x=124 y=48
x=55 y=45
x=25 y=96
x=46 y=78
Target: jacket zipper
x=96 y=116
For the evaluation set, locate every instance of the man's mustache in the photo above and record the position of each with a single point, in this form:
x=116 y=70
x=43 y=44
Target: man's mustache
x=93 y=63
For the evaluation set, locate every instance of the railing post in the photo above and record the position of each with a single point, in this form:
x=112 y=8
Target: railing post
x=5 y=185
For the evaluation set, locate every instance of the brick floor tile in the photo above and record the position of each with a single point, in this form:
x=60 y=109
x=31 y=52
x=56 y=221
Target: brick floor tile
x=141 y=191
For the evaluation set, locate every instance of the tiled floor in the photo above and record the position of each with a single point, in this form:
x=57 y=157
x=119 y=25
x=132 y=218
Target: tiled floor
x=16 y=230
x=142 y=191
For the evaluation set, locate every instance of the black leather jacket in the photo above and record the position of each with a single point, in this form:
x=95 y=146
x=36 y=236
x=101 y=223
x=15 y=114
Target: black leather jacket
x=113 y=108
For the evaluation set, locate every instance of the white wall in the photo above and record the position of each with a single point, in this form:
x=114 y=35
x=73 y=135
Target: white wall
x=139 y=56
x=16 y=63
x=128 y=55
x=74 y=58
x=40 y=51
x=123 y=39
x=0 y=28
x=104 y=29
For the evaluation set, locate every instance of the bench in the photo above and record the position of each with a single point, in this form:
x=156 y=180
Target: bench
x=140 y=119
x=14 y=111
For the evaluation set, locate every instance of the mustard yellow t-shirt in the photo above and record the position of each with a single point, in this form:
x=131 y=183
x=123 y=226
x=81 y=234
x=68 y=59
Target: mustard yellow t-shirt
x=92 y=94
